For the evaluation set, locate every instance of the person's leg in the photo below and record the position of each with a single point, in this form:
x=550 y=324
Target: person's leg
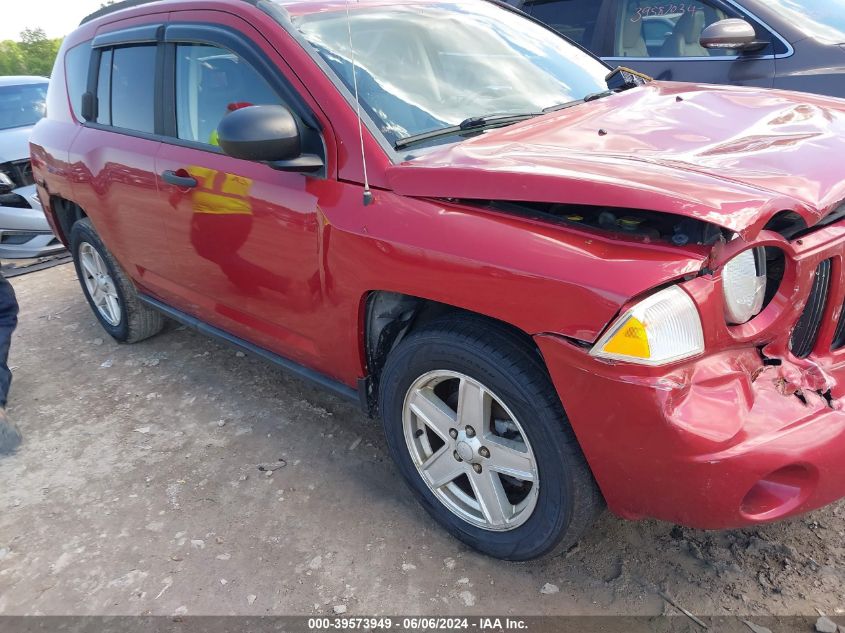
x=10 y=437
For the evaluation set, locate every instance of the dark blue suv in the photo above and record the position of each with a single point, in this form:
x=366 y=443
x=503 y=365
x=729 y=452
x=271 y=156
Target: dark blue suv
x=789 y=44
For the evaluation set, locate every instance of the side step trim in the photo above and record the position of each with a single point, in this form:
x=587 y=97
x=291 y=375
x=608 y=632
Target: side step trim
x=300 y=371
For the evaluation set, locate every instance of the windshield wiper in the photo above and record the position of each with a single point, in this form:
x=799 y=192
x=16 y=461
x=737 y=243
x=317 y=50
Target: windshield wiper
x=477 y=123
x=569 y=104
x=472 y=124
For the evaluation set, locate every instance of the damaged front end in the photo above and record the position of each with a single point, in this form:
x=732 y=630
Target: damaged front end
x=799 y=329
x=709 y=397
x=781 y=293
x=742 y=426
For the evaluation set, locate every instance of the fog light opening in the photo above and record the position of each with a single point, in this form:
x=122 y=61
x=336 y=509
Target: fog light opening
x=779 y=493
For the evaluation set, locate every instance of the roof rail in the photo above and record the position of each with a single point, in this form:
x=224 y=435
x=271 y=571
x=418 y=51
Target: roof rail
x=112 y=8
x=128 y=4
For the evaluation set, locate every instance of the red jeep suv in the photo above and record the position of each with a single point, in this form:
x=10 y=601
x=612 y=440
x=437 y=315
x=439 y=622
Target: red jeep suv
x=559 y=286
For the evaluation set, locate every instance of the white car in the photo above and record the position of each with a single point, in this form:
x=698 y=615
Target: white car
x=24 y=231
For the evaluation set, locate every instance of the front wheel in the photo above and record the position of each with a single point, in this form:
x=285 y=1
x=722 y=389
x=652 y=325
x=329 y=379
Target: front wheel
x=478 y=432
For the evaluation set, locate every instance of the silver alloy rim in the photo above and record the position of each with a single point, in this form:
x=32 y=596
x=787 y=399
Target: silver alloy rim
x=470 y=450
x=101 y=287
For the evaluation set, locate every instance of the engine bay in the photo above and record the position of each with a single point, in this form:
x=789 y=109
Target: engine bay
x=638 y=224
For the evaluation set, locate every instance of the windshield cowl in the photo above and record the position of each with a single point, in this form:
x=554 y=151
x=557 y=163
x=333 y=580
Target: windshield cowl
x=471 y=125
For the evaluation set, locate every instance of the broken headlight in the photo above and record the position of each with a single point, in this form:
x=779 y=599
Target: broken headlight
x=662 y=329
x=744 y=285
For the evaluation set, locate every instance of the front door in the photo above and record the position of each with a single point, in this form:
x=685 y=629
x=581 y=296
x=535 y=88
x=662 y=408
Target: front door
x=244 y=237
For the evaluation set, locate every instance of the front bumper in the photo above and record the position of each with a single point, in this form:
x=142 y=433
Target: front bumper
x=25 y=232
x=716 y=443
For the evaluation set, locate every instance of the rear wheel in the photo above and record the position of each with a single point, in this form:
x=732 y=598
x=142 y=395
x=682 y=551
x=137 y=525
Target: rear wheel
x=478 y=432
x=110 y=293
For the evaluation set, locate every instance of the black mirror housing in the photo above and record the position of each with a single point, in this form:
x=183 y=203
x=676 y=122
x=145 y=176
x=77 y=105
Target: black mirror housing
x=261 y=133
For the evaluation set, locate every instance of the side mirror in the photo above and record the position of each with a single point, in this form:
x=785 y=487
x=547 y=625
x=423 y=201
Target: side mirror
x=732 y=34
x=267 y=134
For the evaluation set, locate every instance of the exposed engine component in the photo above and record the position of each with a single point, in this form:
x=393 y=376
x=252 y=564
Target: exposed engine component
x=648 y=226
x=792 y=226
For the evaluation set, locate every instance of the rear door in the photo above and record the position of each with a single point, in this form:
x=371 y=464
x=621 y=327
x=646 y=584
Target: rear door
x=112 y=160
x=661 y=39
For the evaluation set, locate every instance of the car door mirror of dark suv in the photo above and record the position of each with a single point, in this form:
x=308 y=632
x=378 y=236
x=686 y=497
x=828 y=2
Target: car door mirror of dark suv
x=268 y=134
x=732 y=34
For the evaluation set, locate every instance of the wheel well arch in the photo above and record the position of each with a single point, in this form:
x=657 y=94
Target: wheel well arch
x=67 y=213
x=389 y=317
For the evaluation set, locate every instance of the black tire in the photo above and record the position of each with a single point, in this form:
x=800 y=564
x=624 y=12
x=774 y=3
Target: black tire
x=568 y=499
x=137 y=320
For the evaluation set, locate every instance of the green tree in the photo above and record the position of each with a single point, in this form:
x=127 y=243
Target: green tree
x=11 y=58
x=39 y=51
x=34 y=54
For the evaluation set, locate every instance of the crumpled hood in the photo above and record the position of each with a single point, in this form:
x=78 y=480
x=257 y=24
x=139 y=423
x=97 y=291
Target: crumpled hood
x=14 y=144
x=731 y=156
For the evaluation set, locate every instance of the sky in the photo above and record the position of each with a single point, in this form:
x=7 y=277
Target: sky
x=56 y=17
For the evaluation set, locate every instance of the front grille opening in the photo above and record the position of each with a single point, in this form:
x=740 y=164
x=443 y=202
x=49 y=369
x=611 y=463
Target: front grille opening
x=806 y=331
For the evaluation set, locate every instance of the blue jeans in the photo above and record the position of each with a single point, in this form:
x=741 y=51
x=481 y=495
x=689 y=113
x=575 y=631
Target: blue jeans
x=8 y=323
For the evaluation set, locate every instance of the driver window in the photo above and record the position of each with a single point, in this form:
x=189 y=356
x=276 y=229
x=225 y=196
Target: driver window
x=661 y=29
x=212 y=82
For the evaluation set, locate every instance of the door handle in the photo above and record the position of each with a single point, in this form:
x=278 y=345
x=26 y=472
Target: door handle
x=178 y=180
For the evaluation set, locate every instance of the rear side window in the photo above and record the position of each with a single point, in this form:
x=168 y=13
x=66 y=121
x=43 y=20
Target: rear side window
x=576 y=19
x=210 y=83
x=126 y=88
x=77 y=62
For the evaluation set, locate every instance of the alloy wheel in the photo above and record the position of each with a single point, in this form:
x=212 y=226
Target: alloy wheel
x=470 y=450
x=101 y=287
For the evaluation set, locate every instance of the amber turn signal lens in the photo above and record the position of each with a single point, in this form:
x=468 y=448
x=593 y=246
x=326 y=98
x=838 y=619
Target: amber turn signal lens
x=662 y=329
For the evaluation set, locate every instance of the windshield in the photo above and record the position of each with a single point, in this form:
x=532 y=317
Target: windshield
x=821 y=20
x=23 y=105
x=424 y=66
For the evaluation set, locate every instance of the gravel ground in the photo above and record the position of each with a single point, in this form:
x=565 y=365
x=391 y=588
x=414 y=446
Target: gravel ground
x=138 y=491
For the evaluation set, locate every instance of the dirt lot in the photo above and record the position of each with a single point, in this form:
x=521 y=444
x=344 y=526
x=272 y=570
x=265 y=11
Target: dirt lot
x=138 y=492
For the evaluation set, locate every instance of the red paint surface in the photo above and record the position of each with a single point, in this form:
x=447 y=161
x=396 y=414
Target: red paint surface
x=291 y=262
x=732 y=156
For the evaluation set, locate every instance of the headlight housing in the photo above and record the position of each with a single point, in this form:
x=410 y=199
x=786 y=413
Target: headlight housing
x=6 y=184
x=662 y=329
x=744 y=285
